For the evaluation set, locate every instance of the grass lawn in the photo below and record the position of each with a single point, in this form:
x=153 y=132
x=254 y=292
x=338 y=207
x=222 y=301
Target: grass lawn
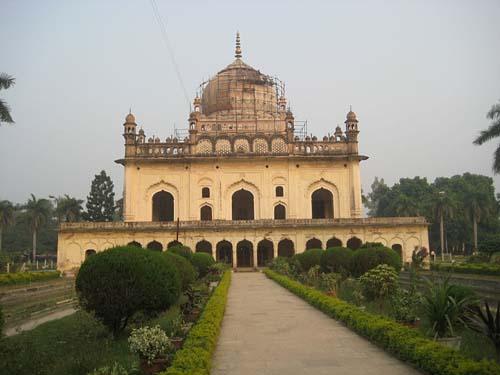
x=76 y=345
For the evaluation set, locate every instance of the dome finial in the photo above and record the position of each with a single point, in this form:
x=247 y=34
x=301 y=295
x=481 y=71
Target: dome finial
x=237 y=52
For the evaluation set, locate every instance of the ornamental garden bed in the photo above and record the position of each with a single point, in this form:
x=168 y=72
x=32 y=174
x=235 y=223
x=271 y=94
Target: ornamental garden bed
x=94 y=341
x=408 y=344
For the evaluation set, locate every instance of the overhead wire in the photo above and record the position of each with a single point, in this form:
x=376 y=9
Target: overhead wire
x=163 y=30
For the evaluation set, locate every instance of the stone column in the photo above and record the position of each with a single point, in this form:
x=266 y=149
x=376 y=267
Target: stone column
x=254 y=255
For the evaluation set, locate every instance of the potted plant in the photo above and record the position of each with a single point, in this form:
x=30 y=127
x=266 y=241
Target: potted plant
x=176 y=332
x=444 y=312
x=153 y=347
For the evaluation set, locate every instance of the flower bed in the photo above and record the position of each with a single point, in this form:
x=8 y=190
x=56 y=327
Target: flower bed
x=196 y=355
x=18 y=278
x=470 y=268
x=405 y=343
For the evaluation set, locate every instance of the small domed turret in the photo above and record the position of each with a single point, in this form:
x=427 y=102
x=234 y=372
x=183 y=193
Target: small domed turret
x=130 y=119
x=351 y=116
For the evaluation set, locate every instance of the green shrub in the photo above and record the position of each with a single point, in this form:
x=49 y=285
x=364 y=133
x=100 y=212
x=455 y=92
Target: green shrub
x=17 y=278
x=281 y=265
x=187 y=273
x=195 y=357
x=365 y=259
x=489 y=244
x=336 y=259
x=309 y=258
x=369 y=245
x=495 y=258
x=405 y=343
x=116 y=369
x=468 y=268
x=202 y=263
x=442 y=310
x=183 y=251
x=379 y=282
x=404 y=305
x=119 y=282
x=478 y=258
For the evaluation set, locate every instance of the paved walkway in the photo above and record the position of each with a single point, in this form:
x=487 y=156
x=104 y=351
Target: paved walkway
x=268 y=330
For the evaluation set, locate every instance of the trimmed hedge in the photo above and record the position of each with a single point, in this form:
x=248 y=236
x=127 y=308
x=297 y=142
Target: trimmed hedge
x=202 y=262
x=183 y=251
x=121 y=281
x=471 y=268
x=18 y=278
x=337 y=259
x=405 y=343
x=195 y=357
x=309 y=258
x=187 y=273
x=364 y=259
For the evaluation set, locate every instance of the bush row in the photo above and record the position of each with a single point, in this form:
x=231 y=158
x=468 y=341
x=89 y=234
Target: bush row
x=195 y=357
x=472 y=268
x=27 y=277
x=347 y=261
x=405 y=343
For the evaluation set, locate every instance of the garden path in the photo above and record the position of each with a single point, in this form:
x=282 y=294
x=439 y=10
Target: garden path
x=268 y=330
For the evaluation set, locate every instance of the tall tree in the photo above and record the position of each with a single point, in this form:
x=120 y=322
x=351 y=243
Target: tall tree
x=101 y=200
x=493 y=131
x=442 y=205
x=68 y=209
x=38 y=212
x=7 y=217
x=6 y=81
x=476 y=205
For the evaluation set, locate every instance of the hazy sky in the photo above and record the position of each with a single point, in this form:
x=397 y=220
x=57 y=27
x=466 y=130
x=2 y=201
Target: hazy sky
x=421 y=76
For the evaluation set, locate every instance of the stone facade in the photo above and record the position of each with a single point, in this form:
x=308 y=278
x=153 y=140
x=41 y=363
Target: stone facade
x=246 y=183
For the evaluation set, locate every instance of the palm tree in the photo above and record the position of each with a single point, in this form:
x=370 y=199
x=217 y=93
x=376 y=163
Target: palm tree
x=67 y=208
x=476 y=205
x=5 y=82
x=7 y=217
x=493 y=131
x=38 y=212
x=442 y=205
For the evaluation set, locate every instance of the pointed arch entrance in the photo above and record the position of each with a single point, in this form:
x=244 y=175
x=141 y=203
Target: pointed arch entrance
x=264 y=252
x=333 y=242
x=204 y=246
x=154 y=245
x=242 y=205
x=163 y=206
x=286 y=248
x=314 y=243
x=322 y=204
x=244 y=254
x=224 y=252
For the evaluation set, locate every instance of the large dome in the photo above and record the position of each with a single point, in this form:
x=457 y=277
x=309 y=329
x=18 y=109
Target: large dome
x=239 y=89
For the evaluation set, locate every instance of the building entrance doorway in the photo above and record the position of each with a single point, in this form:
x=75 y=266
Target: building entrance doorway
x=244 y=254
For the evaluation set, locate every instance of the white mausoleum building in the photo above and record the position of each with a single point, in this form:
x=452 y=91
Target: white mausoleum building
x=245 y=183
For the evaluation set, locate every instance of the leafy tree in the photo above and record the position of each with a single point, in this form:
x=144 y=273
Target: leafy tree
x=38 y=212
x=493 y=131
x=416 y=196
x=6 y=217
x=6 y=81
x=101 y=200
x=68 y=209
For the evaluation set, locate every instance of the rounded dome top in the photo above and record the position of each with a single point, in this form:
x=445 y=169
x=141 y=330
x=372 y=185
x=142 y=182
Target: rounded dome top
x=351 y=116
x=130 y=118
x=224 y=92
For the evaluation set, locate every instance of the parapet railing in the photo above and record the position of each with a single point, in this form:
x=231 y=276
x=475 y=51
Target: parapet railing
x=226 y=224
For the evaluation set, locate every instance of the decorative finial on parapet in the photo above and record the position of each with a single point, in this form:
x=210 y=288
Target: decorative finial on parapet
x=237 y=52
